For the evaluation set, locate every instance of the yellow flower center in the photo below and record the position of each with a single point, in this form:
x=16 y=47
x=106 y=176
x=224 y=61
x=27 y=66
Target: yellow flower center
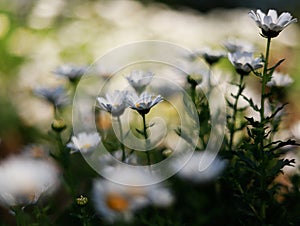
x=117 y=202
x=86 y=146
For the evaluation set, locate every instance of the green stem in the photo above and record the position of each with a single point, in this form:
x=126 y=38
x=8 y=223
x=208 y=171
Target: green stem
x=121 y=139
x=263 y=185
x=146 y=139
x=21 y=217
x=264 y=81
x=232 y=129
x=85 y=217
x=193 y=93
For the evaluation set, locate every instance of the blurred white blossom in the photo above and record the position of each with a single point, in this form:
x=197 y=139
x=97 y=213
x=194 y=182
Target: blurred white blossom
x=115 y=102
x=238 y=45
x=280 y=80
x=139 y=79
x=119 y=202
x=56 y=96
x=191 y=170
x=71 y=72
x=244 y=62
x=84 y=142
x=25 y=180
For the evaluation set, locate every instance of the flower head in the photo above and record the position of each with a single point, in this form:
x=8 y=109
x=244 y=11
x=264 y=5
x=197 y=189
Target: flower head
x=211 y=56
x=238 y=45
x=244 y=62
x=271 y=25
x=73 y=73
x=191 y=170
x=26 y=179
x=144 y=102
x=139 y=79
x=119 y=202
x=280 y=80
x=115 y=103
x=56 y=96
x=84 y=142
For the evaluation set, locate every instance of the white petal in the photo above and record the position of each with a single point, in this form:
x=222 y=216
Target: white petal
x=273 y=14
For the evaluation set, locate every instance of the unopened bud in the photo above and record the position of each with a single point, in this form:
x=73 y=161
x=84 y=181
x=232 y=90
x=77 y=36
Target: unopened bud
x=81 y=200
x=167 y=152
x=58 y=125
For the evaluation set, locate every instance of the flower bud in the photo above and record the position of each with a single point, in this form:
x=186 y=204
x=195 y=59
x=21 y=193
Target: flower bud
x=58 y=125
x=82 y=200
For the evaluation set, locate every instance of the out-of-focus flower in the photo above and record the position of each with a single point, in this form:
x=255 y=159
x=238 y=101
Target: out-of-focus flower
x=116 y=202
x=139 y=79
x=210 y=56
x=238 y=45
x=244 y=62
x=84 y=142
x=71 y=72
x=25 y=180
x=56 y=96
x=115 y=103
x=143 y=103
x=35 y=151
x=191 y=170
x=296 y=130
x=280 y=80
x=271 y=25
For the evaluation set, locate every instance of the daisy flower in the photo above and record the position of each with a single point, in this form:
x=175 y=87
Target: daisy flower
x=191 y=170
x=280 y=80
x=139 y=79
x=71 y=72
x=143 y=103
x=244 y=62
x=84 y=142
x=115 y=103
x=116 y=202
x=56 y=96
x=25 y=180
x=271 y=24
x=211 y=56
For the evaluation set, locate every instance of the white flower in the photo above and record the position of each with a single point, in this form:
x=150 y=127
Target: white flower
x=296 y=130
x=56 y=96
x=244 y=62
x=271 y=25
x=84 y=142
x=238 y=45
x=210 y=56
x=115 y=103
x=119 y=202
x=191 y=170
x=280 y=80
x=71 y=72
x=35 y=151
x=139 y=79
x=144 y=102
x=24 y=180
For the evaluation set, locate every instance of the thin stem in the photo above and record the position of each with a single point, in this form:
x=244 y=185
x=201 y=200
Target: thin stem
x=262 y=121
x=146 y=139
x=264 y=81
x=232 y=129
x=193 y=93
x=121 y=139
